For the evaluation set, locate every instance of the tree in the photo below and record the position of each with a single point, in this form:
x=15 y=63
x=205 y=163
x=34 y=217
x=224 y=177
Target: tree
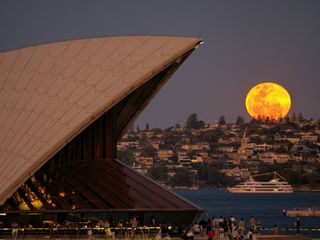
x=222 y=120
x=200 y=124
x=158 y=173
x=259 y=119
x=267 y=120
x=131 y=130
x=211 y=175
x=239 y=120
x=294 y=118
x=126 y=156
x=182 y=178
x=192 y=121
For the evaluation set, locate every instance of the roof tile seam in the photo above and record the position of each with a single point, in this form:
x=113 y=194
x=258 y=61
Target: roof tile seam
x=43 y=90
x=160 y=66
x=70 y=115
x=59 y=59
x=106 y=57
x=1 y=58
x=55 y=105
x=84 y=73
x=6 y=125
x=8 y=144
x=162 y=50
x=60 y=95
x=4 y=89
x=30 y=112
x=7 y=58
x=31 y=60
x=5 y=74
x=13 y=99
x=9 y=84
x=27 y=151
x=22 y=83
x=50 y=92
x=15 y=109
x=77 y=96
x=70 y=44
x=30 y=92
x=92 y=54
x=85 y=85
x=55 y=71
x=18 y=143
x=3 y=136
x=34 y=83
x=36 y=122
x=97 y=70
x=35 y=150
x=122 y=56
x=60 y=45
x=30 y=57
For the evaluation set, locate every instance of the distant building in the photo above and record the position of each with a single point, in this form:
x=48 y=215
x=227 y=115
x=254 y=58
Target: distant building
x=238 y=173
x=226 y=149
x=197 y=159
x=262 y=147
x=293 y=139
x=145 y=161
x=267 y=157
x=196 y=146
x=121 y=145
x=164 y=154
x=272 y=157
x=309 y=137
x=155 y=143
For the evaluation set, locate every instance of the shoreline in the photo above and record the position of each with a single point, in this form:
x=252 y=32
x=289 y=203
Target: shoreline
x=295 y=189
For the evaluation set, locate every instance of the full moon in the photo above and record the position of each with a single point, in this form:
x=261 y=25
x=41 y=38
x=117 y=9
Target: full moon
x=268 y=100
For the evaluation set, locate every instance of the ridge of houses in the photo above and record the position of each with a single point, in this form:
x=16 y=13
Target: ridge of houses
x=248 y=144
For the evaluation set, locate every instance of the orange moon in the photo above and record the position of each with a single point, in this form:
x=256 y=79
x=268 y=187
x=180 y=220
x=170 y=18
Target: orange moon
x=268 y=100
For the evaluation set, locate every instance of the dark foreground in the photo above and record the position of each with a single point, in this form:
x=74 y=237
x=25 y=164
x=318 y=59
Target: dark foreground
x=82 y=237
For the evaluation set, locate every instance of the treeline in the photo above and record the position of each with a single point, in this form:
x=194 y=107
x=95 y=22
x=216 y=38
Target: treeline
x=211 y=176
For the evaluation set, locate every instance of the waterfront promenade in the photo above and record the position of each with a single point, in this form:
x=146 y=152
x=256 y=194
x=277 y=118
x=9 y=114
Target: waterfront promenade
x=85 y=237
x=104 y=237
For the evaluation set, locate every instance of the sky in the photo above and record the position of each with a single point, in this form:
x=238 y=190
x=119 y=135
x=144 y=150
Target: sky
x=245 y=42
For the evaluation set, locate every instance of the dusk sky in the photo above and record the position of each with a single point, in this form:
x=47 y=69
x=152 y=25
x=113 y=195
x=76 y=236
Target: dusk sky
x=245 y=43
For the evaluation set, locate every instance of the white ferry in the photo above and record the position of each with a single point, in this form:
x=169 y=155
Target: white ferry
x=303 y=212
x=276 y=185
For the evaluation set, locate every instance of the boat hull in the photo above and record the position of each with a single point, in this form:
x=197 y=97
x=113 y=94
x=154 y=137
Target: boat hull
x=308 y=212
x=255 y=191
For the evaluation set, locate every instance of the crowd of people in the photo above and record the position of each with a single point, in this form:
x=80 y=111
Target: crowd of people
x=230 y=228
x=222 y=227
x=212 y=229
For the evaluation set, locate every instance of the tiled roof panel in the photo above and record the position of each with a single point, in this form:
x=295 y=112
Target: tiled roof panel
x=51 y=92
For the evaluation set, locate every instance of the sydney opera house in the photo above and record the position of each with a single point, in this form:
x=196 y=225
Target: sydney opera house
x=63 y=107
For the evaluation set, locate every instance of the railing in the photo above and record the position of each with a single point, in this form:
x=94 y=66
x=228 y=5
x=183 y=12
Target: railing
x=82 y=232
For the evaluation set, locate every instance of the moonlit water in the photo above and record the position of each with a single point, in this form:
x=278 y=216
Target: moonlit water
x=267 y=208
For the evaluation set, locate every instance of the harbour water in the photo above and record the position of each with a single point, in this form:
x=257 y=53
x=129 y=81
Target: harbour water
x=266 y=208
